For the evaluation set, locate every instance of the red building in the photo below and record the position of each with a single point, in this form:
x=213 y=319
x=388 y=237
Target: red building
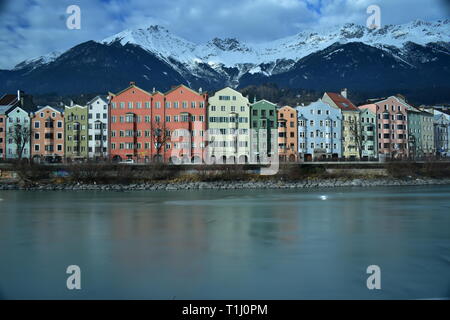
x=147 y=126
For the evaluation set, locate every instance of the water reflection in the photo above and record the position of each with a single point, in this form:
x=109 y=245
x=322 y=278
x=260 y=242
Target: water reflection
x=255 y=244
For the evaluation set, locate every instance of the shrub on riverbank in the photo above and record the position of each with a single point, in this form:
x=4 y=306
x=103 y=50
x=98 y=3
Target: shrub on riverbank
x=100 y=173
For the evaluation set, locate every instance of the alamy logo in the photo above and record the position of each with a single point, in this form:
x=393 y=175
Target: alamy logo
x=74 y=20
x=374 y=20
x=74 y=280
x=374 y=280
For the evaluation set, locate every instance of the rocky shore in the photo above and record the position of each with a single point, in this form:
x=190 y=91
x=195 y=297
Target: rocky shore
x=228 y=185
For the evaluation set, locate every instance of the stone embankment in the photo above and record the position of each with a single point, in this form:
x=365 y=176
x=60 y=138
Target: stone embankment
x=229 y=185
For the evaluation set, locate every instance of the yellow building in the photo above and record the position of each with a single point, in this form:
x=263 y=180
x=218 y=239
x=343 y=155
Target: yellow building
x=351 y=128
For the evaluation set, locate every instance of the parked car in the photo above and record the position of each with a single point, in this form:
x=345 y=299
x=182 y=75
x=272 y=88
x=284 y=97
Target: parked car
x=127 y=161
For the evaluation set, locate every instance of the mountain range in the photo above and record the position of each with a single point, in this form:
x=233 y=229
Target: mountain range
x=413 y=57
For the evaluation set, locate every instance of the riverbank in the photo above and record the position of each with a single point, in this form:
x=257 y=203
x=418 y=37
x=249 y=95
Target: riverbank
x=229 y=185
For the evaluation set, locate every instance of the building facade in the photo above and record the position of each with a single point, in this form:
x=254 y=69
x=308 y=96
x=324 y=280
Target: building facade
x=3 y=118
x=420 y=133
x=441 y=123
x=185 y=119
x=392 y=126
x=351 y=132
x=287 y=134
x=130 y=117
x=76 y=134
x=229 y=127
x=7 y=103
x=47 y=134
x=98 y=128
x=264 y=133
x=319 y=131
x=427 y=127
x=368 y=142
x=169 y=127
x=18 y=132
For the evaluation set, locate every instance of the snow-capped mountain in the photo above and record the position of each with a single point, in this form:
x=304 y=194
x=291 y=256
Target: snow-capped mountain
x=412 y=56
x=33 y=63
x=233 y=53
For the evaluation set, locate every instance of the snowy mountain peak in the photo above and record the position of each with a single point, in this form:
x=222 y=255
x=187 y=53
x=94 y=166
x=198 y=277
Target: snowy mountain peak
x=228 y=44
x=182 y=54
x=38 y=61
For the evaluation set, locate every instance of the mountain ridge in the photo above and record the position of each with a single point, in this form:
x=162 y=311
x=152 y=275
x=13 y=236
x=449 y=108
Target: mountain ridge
x=415 y=56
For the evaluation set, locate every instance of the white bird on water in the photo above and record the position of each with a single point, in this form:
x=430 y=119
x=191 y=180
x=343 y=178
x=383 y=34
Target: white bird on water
x=323 y=197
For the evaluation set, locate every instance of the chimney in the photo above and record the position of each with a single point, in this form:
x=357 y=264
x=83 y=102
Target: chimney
x=200 y=90
x=344 y=93
x=71 y=102
x=18 y=95
x=132 y=83
x=154 y=90
x=254 y=99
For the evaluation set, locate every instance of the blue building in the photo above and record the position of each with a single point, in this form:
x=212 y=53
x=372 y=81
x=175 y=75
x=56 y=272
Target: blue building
x=319 y=131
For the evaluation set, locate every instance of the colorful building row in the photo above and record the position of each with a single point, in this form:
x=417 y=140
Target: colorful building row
x=190 y=126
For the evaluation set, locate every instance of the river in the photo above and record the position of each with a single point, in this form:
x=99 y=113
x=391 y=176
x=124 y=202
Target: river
x=243 y=244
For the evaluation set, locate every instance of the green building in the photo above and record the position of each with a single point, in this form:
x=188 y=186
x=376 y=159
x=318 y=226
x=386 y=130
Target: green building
x=420 y=133
x=76 y=122
x=263 y=125
x=368 y=136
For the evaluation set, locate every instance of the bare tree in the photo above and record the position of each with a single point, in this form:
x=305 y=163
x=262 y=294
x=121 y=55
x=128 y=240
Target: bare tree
x=357 y=133
x=159 y=136
x=20 y=135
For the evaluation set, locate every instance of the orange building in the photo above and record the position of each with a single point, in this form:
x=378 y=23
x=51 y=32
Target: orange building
x=47 y=135
x=287 y=134
x=144 y=125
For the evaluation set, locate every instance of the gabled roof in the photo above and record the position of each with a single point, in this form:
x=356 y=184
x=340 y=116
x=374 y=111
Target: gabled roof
x=101 y=97
x=39 y=108
x=8 y=100
x=75 y=106
x=342 y=103
x=184 y=87
x=396 y=98
x=263 y=100
x=129 y=87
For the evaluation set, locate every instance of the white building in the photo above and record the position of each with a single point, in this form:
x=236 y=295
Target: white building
x=98 y=127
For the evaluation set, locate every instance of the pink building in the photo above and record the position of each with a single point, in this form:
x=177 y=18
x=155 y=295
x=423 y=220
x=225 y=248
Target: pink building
x=392 y=125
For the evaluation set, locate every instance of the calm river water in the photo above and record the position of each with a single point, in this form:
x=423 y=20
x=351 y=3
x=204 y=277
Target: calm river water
x=254 y=244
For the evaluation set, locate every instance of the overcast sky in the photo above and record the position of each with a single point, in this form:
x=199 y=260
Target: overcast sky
x=30 y=28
